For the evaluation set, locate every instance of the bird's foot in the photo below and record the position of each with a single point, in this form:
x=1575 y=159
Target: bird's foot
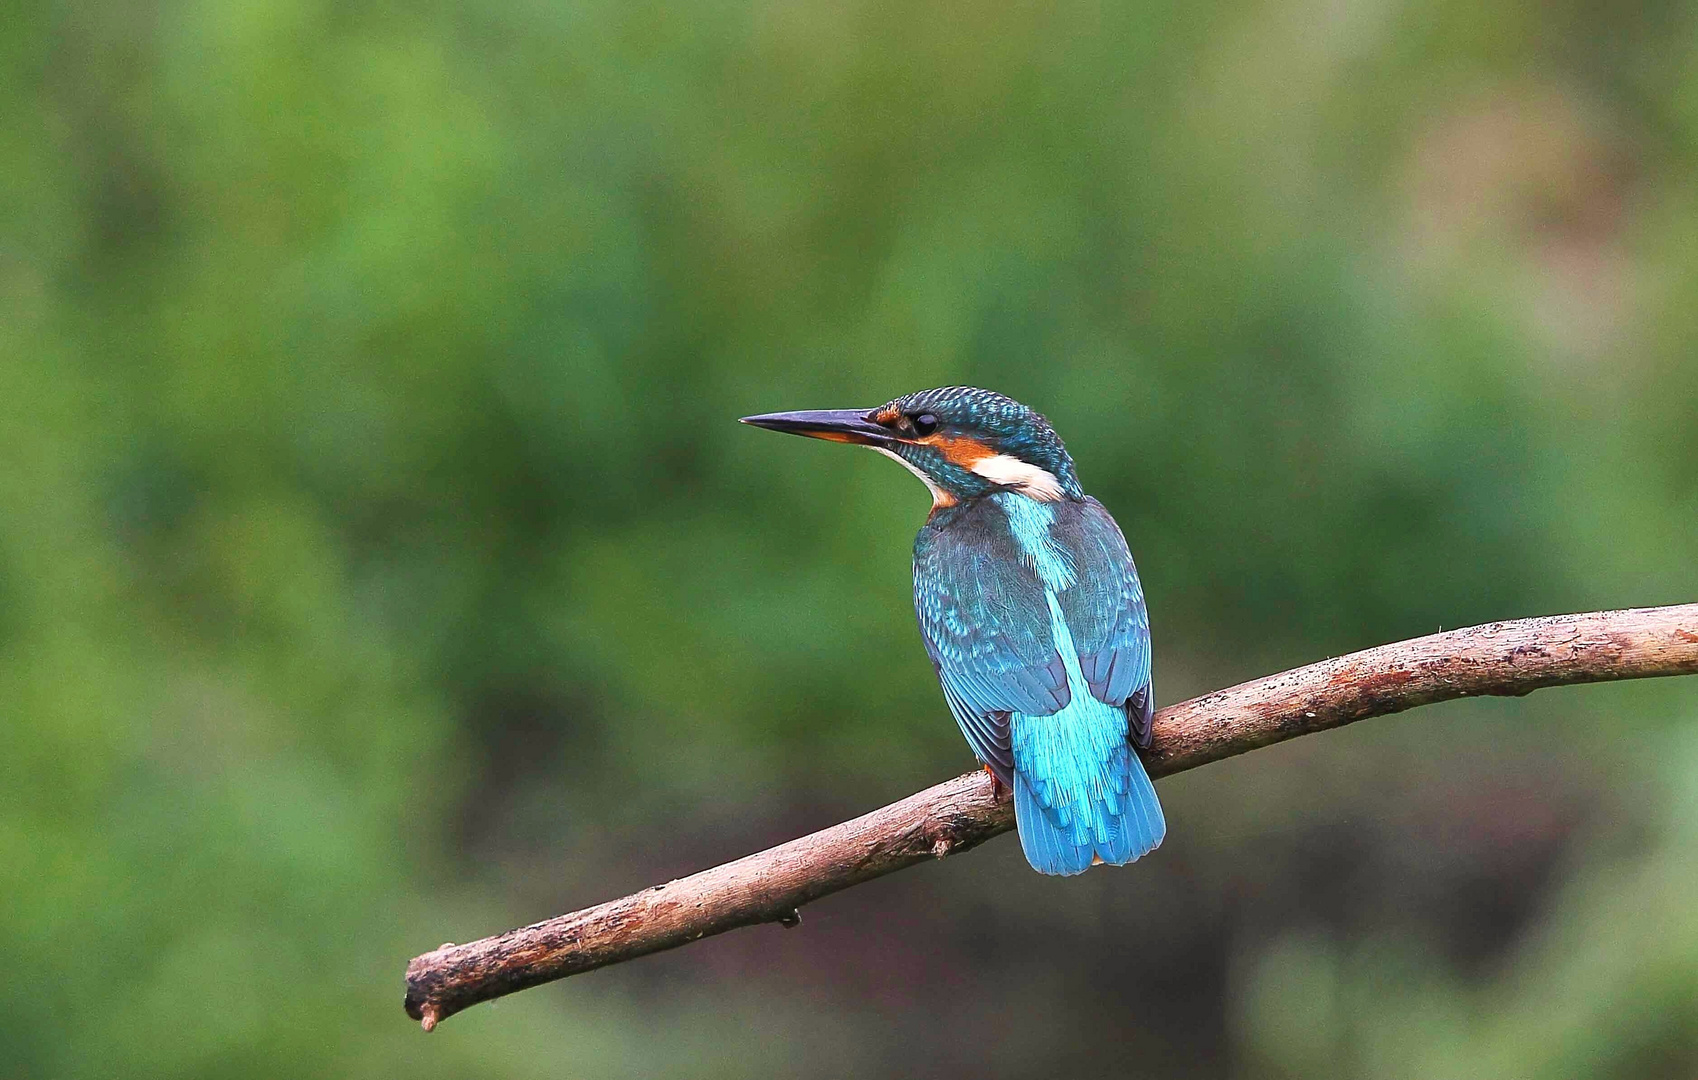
x=998 y=791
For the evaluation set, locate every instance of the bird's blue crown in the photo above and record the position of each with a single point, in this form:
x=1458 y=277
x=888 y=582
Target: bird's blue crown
x=970 y=442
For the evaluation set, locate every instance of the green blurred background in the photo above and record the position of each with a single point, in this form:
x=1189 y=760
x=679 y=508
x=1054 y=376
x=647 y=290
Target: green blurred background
x=380 y=563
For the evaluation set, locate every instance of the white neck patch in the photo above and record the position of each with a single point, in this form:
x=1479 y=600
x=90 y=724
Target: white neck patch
x=940 y=497
x=1024 y=477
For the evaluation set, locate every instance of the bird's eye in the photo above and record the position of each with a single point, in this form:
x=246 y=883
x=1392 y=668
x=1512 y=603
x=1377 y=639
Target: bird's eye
x=924 y=424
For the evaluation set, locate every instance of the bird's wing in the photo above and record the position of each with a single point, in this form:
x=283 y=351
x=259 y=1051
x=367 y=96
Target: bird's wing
x=1105 y=611
x=987 y=630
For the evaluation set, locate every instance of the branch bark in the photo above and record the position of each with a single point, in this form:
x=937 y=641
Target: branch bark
x=1504 y=658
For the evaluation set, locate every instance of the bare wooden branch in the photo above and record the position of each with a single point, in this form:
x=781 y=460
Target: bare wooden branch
x=1504 y=658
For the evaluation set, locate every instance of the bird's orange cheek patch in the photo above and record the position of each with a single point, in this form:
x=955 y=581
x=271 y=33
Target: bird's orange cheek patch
x=960 y=451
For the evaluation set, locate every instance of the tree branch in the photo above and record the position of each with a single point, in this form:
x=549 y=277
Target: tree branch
x=1505 y=658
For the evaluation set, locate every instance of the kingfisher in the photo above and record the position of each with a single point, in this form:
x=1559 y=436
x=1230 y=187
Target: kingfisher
x=1032 y=614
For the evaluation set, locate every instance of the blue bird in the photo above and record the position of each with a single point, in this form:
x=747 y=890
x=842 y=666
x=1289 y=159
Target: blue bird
x=1031 y=612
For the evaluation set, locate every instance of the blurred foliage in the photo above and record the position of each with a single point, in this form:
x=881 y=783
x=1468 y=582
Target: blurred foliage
x=379 y=562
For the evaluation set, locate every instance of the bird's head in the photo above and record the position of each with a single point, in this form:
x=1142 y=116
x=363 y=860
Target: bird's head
x=962 y=441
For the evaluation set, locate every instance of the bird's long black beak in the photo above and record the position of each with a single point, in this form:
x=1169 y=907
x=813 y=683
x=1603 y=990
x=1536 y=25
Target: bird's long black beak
x=837 y=425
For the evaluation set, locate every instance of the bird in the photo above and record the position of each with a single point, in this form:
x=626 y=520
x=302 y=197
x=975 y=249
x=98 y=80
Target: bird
x=1032 y=614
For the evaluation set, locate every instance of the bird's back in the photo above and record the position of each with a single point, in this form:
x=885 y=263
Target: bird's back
x=1034 y=618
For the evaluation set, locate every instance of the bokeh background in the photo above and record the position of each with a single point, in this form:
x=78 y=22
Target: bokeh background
x=380 y=564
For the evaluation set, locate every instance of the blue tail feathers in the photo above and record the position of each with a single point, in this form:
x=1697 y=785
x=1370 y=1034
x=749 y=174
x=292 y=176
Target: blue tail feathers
x=1080 y=790
x=1113 y=815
